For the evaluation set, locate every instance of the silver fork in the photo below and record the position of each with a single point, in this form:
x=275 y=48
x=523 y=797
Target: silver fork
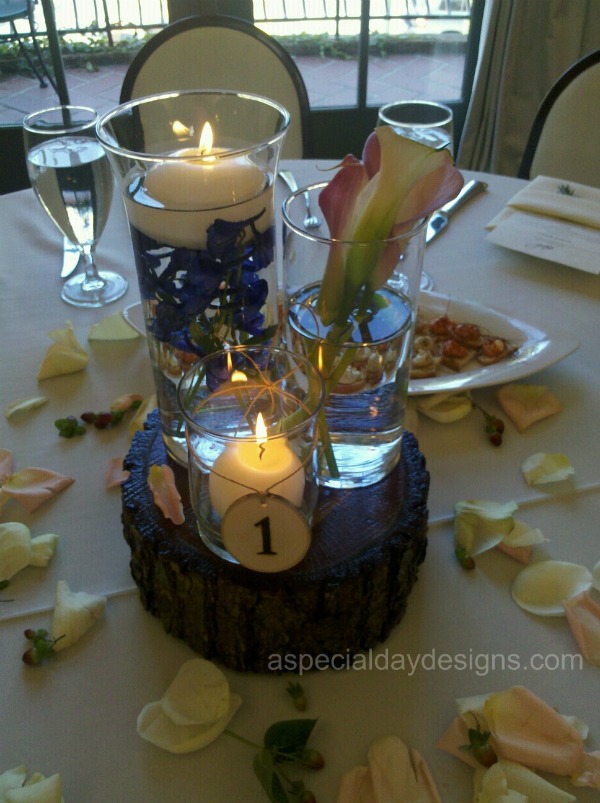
x=310 y=221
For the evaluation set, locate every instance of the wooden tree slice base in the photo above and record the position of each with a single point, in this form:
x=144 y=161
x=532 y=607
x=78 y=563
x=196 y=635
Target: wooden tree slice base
x=345 y=597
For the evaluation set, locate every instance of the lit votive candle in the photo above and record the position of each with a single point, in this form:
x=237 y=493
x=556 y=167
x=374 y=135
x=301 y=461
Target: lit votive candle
x=183 y=195
x=256 y=466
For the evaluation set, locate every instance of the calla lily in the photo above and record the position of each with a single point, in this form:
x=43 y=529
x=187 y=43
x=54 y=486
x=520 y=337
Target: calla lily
x=399 y=181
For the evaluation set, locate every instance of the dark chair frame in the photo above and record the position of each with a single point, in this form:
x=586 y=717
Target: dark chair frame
x=237 y=24
x=24 y=10
x=573 y=72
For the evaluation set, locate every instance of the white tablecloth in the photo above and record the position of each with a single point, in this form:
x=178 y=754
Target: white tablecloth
x=77 y=715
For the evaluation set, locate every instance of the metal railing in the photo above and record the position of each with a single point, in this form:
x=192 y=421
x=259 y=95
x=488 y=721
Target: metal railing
x=119 y=18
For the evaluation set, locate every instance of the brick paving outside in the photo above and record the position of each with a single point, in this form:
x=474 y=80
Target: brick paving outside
x=330 y=83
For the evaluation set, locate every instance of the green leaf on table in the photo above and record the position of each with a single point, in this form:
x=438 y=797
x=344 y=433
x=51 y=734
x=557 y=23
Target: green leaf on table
x=265 y=772
x=289 y=735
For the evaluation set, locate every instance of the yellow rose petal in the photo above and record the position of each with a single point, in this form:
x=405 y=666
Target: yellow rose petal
x=114 y=327
x=65 y=355
x=445 y=408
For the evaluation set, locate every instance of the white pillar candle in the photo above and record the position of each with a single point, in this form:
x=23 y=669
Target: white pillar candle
x=255 y=466
x=183 y=195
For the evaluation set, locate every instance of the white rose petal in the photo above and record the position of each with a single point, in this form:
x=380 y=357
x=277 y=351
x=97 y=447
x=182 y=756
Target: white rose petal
x=445 y=408
x=540 y=468
x=596 y=576
x=15 y=548
x=42 y=790
x=43 y=548
x=156 y=727
x=22 y=406
x=542 y=587
x=113 y=327
x=74 y=614
x=480 y=525
x=198 y=695
x=523 y=535
x=509 y=782
x=12 y=779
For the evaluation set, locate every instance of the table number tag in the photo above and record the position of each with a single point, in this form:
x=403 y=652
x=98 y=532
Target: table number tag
x=265 y=533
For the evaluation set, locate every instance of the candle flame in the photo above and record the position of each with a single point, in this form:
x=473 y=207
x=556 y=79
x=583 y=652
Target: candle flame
x=206 y=139
x=180 y=129
x=235 y=376
x=261 y=430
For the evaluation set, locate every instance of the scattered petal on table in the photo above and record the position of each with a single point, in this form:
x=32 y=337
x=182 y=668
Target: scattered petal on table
x=74 y=613
x=12 y=779
x=480 y=525
x=125 y=402
x=197 y=695
x=161 y=481
x=396 y=774
x=137 y=422
x=65 y=355
x=509 y=782
x=445 y=408
x=541 y=468
x=31 y=487
x=43 y=548
x=37 y=790
x=526 y=404
x=22 y=406
x=542 y=587
x=113 y=327
x=583 y=616
x=15 y=548
x=596 y=576
x=519 y=542
x=115 y=473
x=529 y=731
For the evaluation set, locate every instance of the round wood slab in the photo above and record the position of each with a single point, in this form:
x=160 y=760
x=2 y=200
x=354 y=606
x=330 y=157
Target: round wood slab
x=345 y=597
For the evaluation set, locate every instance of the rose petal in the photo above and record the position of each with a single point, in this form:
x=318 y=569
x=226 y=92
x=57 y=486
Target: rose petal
x=356 y=787
x=137 y=422
x=588 y=772
x=65 y=356
x=37 y=790
x=15 y=548
x=43 y=548
x=527 y=404
x=113 y=327
x=399 y=773
x=22 y=406
x=156 y=727
x=445 y=408
x=507 y=781
x=529 y=731
x=583 y=616
x=31 y=487
x=6 y=464
x=74 y=614
x=115 y=473
x=480 y=525
x=542 y=587
x=197 y=695
x=161 y=481
x=540 y=468
x=12 y=779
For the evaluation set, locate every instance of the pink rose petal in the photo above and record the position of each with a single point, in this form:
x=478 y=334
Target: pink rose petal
x=520 y=553
x=31 y=487
x=115 y=473
x=161 y=482
x=527 y=730
x=583 y=616
x=588 y=773
x=356 y=787
x=453 y=739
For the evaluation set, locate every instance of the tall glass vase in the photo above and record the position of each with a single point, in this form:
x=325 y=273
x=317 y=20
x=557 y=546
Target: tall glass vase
x=364 y=358
x=197 y=171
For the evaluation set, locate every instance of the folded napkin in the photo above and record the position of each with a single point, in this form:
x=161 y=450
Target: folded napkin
x=553 y=197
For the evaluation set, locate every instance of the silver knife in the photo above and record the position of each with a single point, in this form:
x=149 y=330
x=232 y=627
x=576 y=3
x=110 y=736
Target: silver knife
x=71 y=256
x=439 y=219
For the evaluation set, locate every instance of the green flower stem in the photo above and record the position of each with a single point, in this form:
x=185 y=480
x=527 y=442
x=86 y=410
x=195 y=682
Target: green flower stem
x=242 y=739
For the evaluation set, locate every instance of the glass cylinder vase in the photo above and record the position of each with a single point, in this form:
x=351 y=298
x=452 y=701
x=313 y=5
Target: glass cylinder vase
x=197 y=171
x=363 y=354
x=250 y=417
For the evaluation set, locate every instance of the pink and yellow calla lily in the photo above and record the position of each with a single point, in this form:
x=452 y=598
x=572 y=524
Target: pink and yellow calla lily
x=398 y=182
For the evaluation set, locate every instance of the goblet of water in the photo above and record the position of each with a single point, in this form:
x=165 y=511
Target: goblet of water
x=73 y=181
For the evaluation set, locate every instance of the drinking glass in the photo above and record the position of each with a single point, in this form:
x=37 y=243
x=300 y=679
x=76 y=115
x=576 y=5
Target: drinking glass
x=424 y=121
x=73 y=181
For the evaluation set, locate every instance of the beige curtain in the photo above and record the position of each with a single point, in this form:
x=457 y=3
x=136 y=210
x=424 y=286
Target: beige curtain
x=525 y=46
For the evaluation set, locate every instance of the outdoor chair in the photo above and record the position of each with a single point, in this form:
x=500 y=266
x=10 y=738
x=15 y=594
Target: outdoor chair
x=10 y=12
x=563 y=142
x=220 y=52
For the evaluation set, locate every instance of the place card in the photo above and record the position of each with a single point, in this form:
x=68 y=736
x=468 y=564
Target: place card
x=549 y=238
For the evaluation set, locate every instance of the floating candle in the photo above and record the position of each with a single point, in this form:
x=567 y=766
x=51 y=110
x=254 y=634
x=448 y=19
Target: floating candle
x=256 y=466
x=183 y=195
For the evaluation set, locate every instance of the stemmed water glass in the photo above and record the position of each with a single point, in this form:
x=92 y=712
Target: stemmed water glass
x=73 y=181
